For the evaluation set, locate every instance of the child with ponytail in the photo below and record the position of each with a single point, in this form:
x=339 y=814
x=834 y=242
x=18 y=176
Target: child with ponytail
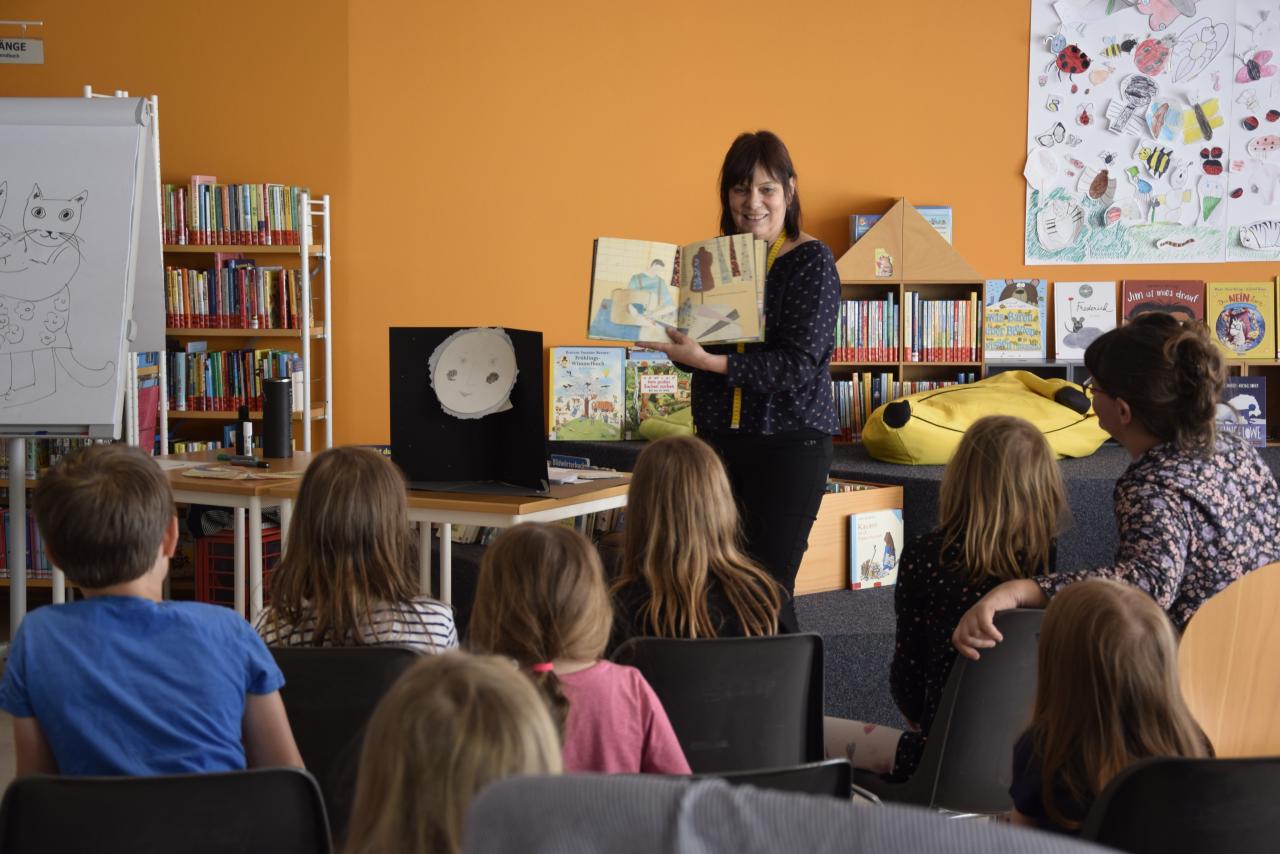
x=541 y=601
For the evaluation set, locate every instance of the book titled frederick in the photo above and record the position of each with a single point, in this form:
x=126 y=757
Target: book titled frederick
x=586 y=393
x=1242 y=318
x=874 y=540
x=1082 y=311
x=655 y=388
x=712 y=290
x=1183 y=298
x=1243 y=408
x=1014 y=320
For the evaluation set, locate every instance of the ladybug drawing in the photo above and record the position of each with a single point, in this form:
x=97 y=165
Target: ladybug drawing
x=1152 y=56
x=1070 y=60
x=1212 y=164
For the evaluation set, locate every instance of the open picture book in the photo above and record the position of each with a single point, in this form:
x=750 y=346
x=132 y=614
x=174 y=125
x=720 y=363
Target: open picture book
x=712 y=290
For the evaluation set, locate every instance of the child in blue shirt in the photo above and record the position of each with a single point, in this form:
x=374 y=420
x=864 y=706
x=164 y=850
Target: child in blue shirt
x=121 y=682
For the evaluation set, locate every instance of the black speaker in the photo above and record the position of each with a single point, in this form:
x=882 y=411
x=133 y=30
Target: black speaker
x=277 y=415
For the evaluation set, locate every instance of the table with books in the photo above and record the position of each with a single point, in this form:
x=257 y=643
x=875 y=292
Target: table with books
x=445 y=509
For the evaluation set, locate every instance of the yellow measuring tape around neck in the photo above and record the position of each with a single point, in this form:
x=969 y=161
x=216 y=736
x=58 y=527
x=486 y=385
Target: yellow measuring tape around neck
x=776 y=247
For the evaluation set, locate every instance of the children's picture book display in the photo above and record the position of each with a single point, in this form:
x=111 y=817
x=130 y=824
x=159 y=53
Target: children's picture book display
x=875 y=540
x=712 y=290
x=1182 y=298
x=1242 y=318
x=655 y=388
x=1243 y=408
x=1150 y=135
x=586 y=393
x=1014 y=319
x=938 y=216
x=1082 y=312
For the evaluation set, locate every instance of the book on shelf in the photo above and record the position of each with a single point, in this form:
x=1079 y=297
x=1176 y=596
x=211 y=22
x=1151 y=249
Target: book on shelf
x=586 y=393
x=37 y=562
x=206 y=213
x=712 y=290
x=223 y=380
x=1183 y=298
x=1014 y=320
x=863 y=393
x=875 y=540
x=938 y=216
x=867 y=330
x=941 y=330
x=236 y=294
x=1082 y=311
x=1243 y=408
x=1242 y=318
x=655 y=387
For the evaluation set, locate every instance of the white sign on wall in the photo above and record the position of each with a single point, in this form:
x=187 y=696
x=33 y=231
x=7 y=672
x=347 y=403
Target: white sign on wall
x=21 y=51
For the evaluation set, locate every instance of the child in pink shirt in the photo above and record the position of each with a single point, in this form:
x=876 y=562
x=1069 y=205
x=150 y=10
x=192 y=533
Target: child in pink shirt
x=541 y=600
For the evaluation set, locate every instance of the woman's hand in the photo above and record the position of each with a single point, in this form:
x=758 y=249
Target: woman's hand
x=688 y=351
x=977 y=629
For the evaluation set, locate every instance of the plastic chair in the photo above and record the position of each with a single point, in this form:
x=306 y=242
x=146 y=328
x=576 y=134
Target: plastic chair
x=330 y=693
x=967 y=764
x=1181 y=806
x=833 y=777
x=737 y=704
x=270 y=809
x=1226 y=664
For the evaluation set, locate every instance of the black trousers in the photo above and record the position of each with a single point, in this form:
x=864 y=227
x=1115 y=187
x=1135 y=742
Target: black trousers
x=778 y=482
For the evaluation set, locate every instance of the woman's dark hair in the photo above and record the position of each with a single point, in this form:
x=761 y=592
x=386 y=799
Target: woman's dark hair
x=1168 y=371
x=762 y=147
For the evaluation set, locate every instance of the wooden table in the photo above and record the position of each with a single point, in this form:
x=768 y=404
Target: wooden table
x=464 y=508
x=238 y=495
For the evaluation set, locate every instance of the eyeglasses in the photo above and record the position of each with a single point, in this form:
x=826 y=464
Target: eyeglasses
x=1091 y=385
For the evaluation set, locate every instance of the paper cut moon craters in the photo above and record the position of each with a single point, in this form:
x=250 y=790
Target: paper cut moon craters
x=473 y=371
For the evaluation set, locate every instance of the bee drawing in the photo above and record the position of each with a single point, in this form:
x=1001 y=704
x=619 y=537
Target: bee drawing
x=1114 y=48
x=1157 y=159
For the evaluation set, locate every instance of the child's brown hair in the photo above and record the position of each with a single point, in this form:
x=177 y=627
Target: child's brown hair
x=1107 y=691
x=349 y=548
x=452 y=724
x=541 y=597
x=681 y=536
x=1002 y=499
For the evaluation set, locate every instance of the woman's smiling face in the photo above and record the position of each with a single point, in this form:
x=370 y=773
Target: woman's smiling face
x=760 y=207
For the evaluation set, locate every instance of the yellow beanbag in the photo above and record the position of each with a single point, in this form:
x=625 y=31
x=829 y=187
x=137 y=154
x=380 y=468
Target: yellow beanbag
x=925 y=428
x=679 y=423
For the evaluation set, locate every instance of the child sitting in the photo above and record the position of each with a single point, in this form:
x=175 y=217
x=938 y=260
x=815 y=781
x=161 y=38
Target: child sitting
x=1107 y=695
x=682 y=573
x=122 y=683
x=1001 y=503
x=349 y=577
x=541 y=601
x=450 y=725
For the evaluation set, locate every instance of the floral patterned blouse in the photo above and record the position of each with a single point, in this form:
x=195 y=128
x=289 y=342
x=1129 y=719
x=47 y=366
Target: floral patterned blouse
x=1189 y=525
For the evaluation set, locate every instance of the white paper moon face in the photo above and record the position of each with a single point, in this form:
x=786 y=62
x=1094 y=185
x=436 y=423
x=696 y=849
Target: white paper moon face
x=473 y=372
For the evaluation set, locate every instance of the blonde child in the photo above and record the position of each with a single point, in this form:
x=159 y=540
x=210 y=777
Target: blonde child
x=541 y=601
x=348 y=577
x=450 y=725
x=1107 y=695
x=682 y=573
x=1001 y=503
x=122 y=682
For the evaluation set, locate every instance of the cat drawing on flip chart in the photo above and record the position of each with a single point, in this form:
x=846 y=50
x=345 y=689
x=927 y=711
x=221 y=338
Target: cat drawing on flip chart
x=37 y=265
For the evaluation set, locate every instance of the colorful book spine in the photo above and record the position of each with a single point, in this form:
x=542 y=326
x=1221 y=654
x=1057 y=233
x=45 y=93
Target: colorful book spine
x=223 y=380
x=206 y=213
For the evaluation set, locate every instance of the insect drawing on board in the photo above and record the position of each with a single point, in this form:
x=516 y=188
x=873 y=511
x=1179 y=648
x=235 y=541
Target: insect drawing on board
x=1157 y=159
x=1084 y=117
x=1069 y=59
x=1255 y=66
x=1115 y=48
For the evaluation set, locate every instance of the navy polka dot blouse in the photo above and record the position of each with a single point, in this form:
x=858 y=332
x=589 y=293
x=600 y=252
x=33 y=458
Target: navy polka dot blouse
x=786 y=380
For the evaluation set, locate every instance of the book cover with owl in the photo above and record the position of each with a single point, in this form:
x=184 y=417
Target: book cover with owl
x=1082 y=311
x=1014 y=320
x=875 y=538
x=586 y=401
x=1242 y=318
x=1183 y=298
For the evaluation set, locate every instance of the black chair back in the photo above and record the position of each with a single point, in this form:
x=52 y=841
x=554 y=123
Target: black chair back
x=834 y=777
x=1180 y=806
x=269 y=809
x=967 y=765
x=737 y=704
x=330 y=693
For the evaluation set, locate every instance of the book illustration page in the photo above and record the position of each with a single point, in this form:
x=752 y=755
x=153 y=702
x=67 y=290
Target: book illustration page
x=473 y=371
x=632 y=297
x=720 y=300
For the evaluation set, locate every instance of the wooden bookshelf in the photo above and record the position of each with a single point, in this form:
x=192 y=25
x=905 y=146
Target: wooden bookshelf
x=247 y=332
x=242 y=249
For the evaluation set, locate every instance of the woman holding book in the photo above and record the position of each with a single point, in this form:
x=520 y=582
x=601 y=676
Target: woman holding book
x=767 y=407
x=1196 y=509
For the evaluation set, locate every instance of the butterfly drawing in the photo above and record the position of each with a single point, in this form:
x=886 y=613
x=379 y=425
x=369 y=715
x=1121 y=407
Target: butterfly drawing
x=1199 y=121
x=1256 y=67
x=1056 y=134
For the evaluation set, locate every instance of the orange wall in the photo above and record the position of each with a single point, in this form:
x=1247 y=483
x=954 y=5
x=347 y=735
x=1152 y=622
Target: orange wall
x=474 y=150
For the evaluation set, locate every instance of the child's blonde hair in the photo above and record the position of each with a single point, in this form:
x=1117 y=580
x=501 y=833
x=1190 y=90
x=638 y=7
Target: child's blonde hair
x=1107 y=691
x=541 y=597
x=452 y=724
x=681 y=536
x=349 y=548
x=1002 y=499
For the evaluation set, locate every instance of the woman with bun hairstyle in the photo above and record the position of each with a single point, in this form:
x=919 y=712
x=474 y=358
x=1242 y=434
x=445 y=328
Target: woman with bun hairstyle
x=1195 y=510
